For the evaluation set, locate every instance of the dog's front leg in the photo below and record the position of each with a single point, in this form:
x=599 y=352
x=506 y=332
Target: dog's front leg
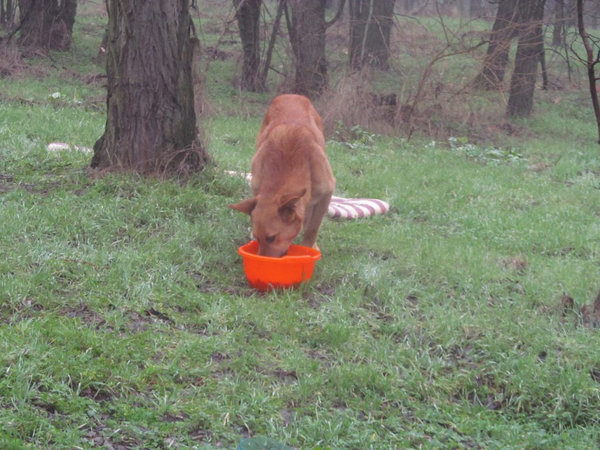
x=314 y=214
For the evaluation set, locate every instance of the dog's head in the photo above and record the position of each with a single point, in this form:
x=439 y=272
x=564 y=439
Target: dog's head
x=276 y=221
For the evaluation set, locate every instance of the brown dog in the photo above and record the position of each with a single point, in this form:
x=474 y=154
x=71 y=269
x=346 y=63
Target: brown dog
x=292 y=180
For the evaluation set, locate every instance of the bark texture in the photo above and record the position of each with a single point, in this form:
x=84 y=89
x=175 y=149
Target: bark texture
x=151 y=123
x=306 y=27
x=247 y=13
x=558 y=30
x=371 y=23
x=530 y=51
x=505 y=28
x=47 y=24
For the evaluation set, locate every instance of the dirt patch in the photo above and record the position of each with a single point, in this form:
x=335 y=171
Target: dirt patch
x=7 y=184
x=201 y=435
x=25 y=309
x=172 y=418
x=352 y=103
x=97 y=434
x=50 y=408
x=487 y=392
x=87 y=315
x=160 y=316
x=285 y=376
x=136 y=323
x=96 y=394
x=206 y=285
x=11 y=62
x=215 y=53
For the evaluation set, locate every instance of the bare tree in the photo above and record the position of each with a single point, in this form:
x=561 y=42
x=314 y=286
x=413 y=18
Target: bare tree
x=370 y=27
x=306 y=27
x=476 y=8
x=503 y=31
x=558 y=30
x=271 y=45
x=46 y=24
x=7 y=13
x=247 y=13
x=256 y=65
x=151 y=123
x=529 y=52
x=590 y=61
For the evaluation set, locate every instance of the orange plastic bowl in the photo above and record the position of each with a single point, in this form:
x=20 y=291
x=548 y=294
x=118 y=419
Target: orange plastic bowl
x=265 y=273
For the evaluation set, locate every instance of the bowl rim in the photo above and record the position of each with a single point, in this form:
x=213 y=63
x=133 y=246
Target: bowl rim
x=312 y=254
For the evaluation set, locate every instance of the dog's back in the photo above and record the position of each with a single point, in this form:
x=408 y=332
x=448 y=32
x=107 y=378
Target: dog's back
x=292 y=180
x=288 y=145
x=293 y=110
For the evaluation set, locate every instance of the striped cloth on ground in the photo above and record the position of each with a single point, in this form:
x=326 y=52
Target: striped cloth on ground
x=355 y=208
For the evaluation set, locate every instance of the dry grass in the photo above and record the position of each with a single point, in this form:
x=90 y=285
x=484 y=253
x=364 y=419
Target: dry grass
x=353 y=102
x=11 y=62
x=439 y=113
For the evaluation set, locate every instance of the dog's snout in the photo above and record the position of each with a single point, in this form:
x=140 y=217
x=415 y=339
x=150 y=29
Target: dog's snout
x=271 y=252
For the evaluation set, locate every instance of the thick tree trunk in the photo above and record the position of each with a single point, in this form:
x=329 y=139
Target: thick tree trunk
x=151 y=124
x=529 y=52
x=47 y=24
x=247 y=13
x=371 y=23
x=505 y=28
x=307 y=28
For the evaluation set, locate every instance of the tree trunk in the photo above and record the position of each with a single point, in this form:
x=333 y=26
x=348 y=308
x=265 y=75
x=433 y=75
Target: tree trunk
x=264 y=71
x=594 y=9
x=151 y=123
x=306 y=28
x=592 y=58
x=408 y=6
x=542 y=55
x=570 y=13
x=370 y=27
x=558 y=30
x=476 y=9
x=503 y=31
x=47 y=24
x=529 y=51
x=247 y=13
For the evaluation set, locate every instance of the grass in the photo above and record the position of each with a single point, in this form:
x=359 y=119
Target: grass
x=126 y=320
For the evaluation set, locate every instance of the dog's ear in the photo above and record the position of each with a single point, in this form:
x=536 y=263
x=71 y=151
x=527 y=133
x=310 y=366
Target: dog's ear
x=287 y=205
x=245 y=206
